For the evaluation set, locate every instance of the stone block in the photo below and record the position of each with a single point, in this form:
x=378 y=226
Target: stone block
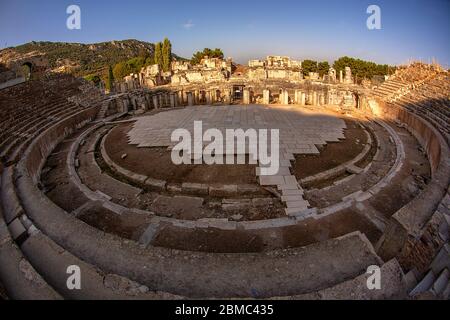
x=224 y=190
x=155 y=183
x=17 y=230
x=247 y=189
x=271 y=180
x=149 y=234
x=194 y=188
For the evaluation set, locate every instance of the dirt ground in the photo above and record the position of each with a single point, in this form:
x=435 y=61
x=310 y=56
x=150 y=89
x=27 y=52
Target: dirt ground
x=409 y=182
x=333 y=153
x=157 y=163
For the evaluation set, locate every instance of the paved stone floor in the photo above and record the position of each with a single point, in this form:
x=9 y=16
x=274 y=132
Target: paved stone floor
x=300 y=131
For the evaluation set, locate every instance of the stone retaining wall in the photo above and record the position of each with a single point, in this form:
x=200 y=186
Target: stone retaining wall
x=407 y=225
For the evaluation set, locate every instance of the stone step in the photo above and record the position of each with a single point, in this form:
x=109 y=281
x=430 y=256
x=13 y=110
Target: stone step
x=52 y=262
x=440 y=284
x=424 y=285
x=392 y=287
x=20 y=279
x=185 y=273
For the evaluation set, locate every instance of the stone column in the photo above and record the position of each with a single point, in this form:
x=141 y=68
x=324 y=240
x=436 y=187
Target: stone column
x=217 y=96
x=190 y=99
x=246 y=96
x=227 y=96
x=341 y=77
x=285 y=99
x=196 y=97
x=155 y=101
x=208 y=97
x=303 y=98
x=173 y=100
x=266 y=96
x=185 y=97
x=180 y=97
x=322 y=99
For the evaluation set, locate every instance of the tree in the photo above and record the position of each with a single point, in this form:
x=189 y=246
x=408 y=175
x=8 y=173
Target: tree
x=309 y=66
x=121 y=70
x=207 y=52
x=166 y=55
x=362 y=69
x=158 y=54
x=110 y=82
x=323 y=68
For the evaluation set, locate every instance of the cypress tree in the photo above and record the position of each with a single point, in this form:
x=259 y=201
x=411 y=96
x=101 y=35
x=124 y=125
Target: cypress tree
x=110 y=82
x=158 y=54
x=166 y=54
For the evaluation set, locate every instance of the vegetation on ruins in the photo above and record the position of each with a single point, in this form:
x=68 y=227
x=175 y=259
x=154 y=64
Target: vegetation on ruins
x=199 y=55
x=158 y=54
x=93 y=78
x=362 y=69
x=166 y=55
x=133 y=65
x=110 y=82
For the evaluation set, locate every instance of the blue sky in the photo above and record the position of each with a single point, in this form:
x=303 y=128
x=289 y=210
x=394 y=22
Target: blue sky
x=245 y=29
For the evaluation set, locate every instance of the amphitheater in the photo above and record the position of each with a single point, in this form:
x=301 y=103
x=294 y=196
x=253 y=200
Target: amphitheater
x=87 y=180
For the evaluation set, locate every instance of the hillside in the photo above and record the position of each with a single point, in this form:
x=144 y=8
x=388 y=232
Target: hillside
x=84 y=59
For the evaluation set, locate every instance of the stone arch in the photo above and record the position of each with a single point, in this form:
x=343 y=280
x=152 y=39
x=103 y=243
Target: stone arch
x=26 y=70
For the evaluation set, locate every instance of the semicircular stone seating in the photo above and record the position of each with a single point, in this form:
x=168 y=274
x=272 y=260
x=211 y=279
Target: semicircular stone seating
x=371 y=187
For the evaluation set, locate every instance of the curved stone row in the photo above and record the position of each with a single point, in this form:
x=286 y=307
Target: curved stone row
x=233 y=225
x=77 y=238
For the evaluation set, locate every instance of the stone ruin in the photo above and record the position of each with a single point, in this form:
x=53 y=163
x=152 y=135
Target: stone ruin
x=275 y=68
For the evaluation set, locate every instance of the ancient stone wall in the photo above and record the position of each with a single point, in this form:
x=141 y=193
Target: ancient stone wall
x=41 y=147
x=406 y=226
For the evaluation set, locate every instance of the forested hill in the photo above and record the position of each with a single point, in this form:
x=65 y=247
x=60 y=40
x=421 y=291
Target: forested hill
x=85 y=59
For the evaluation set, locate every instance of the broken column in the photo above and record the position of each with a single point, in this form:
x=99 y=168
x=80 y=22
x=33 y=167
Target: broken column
x=341 y=77
x=348 y=75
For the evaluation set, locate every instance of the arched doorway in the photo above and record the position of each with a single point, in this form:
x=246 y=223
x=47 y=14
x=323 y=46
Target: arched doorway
x=27 y=69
